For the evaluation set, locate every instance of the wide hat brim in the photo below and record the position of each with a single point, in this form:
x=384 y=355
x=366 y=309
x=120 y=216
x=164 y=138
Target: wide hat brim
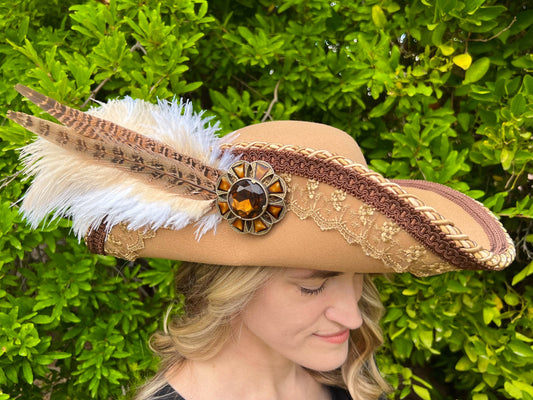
x=341 y=215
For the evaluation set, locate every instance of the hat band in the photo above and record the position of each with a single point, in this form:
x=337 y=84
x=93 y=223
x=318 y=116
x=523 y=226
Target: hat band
x=385 y=196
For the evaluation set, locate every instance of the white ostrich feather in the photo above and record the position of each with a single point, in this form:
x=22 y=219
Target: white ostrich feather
x=66 y=184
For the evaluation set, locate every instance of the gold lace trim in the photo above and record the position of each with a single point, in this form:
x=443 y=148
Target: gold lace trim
x=375 y=234
x=124 y=243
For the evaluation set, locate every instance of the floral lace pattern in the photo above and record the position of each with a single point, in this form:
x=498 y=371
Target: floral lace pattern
x=363 y=226
x=124 y=243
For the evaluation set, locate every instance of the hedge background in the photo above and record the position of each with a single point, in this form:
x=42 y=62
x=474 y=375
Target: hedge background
x=431 y=89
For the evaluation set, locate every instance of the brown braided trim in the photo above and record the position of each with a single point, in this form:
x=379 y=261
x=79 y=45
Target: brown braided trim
x=95 y=239
x=422 y=222
x=498 y=237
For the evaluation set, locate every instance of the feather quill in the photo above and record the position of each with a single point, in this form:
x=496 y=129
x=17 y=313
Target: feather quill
x=127 y=161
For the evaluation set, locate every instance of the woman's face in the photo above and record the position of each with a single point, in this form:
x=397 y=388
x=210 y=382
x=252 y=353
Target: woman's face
x=303 y=316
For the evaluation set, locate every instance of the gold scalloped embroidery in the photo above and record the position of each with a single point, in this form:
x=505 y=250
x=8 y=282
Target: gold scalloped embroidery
x=124 y=243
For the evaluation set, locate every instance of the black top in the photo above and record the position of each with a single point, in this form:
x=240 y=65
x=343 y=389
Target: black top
x=168 y=393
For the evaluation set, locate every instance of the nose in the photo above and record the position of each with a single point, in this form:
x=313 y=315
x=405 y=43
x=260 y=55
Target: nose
x=343 y=308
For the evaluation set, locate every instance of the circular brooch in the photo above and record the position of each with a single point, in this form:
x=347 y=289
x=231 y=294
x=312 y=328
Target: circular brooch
x=251 y=197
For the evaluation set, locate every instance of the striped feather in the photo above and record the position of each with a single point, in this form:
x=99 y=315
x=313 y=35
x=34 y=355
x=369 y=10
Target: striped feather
x=154 y=167
x=107 y=131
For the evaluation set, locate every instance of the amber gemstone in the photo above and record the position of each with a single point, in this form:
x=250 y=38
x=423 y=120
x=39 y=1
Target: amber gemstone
x=275 y=187
x=223 y=207
x=239 y=170
x=259 y=225
x=275 y=211
x=247 y=199
x=224 y=184
x=261 y=170
x=238 y=224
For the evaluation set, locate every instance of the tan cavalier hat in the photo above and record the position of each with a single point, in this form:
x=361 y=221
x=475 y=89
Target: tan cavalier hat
x=284 y=194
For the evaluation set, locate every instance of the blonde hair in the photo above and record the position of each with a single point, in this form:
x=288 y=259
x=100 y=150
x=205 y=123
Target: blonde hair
x=215 y=294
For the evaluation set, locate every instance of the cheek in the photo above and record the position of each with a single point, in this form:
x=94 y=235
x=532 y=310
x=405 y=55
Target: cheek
x=277 y=317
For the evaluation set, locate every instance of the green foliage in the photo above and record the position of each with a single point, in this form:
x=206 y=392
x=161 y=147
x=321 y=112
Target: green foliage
x=432 y=89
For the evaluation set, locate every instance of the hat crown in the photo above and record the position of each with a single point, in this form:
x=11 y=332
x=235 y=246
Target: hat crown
x=303 y=134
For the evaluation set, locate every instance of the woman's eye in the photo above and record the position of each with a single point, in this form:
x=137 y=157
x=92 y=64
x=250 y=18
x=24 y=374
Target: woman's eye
x=313 y=291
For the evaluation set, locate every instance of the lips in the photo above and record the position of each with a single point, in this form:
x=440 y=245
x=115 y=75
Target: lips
x=335 y=338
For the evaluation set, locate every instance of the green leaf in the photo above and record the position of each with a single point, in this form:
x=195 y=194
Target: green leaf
x=378 y=16
x=392 y=315
x=438 y=32
x=422 y=392
x=403 y=346
x=523 y=338
x=491 y=380
x=246 y=33
x=3 y=378
x=11 y=374
x=419 y=71
x=472 y=5
x=456 y=287
x=524 y=273
x=464 y=364
x=464 y=120
x=50 y=357
x=27 y=371
x=410 y=291
x=524 y=387
x=477 y=70
x=446 y=50
x=382 y=108
x=528 y=84
x=512 y=390
x=42 y=319
x=512 y=299
x=506 y=158
x=427 y=338
x=518 y=104
x=520 y=349
x=405 y=392
x=488 y=13
x=489 y=313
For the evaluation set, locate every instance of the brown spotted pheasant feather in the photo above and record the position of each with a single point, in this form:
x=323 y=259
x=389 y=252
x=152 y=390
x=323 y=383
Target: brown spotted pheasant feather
x=113 y=162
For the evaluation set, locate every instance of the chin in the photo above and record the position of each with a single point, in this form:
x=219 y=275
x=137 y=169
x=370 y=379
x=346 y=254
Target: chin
x=325 y=363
